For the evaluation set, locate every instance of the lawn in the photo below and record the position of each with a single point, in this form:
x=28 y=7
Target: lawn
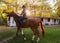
x=4 y=33
x=52 y=35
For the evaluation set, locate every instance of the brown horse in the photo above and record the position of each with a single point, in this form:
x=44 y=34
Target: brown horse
x=31 y=22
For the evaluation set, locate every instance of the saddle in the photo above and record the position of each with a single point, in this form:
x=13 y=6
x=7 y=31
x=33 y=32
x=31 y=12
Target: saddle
x=22 y=19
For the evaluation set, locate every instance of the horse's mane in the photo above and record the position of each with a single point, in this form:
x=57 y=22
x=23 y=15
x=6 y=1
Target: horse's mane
x=14 y=14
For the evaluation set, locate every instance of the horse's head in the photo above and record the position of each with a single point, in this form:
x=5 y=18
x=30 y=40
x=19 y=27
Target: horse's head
x=10 y=14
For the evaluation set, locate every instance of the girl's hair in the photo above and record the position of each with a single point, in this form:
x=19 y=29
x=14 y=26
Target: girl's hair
x=23 y=6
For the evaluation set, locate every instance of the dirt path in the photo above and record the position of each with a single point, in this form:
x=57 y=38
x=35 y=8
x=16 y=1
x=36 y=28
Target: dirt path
x=7 y=39
x=5 y=27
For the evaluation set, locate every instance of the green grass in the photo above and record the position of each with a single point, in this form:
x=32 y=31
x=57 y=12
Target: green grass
x=52 y=35
x=6 y=33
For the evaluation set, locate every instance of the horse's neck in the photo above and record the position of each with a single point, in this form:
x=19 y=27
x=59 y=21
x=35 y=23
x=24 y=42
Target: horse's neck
x=16 y=17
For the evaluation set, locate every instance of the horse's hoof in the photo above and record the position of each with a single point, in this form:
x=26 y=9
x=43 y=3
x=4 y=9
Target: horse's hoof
x=37 y=42
x=32 y=41
x=24 y=39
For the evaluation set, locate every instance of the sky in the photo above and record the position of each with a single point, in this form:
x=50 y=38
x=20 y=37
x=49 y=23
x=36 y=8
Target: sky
x=52 y=2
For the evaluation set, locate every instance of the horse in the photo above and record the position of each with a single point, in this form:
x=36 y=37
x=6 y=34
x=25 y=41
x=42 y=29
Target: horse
x=32 y=22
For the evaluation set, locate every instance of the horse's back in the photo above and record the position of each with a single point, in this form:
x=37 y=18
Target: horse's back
x=34 y=18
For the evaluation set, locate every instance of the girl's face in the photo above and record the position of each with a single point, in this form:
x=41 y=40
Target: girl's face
x=24 y=8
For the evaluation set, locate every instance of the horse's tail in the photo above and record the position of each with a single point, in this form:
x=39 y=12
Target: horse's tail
x=42 y=29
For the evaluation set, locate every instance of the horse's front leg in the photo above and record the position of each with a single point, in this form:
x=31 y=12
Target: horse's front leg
x=17 y=32
x=23 y=34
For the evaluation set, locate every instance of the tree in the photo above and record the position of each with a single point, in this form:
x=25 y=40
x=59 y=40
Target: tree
x=1 y=10
x=58 y=7
x=42 y=9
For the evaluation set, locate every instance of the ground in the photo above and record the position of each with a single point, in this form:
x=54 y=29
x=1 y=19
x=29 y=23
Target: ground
x=52 y=35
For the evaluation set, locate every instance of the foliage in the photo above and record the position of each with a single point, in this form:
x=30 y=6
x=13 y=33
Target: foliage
x=43 y=9
x=40 y=7
x=2 y=21
x=4 y=15
x=58 y=7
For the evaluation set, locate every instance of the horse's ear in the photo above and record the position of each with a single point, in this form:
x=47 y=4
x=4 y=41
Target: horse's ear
x=12 y=12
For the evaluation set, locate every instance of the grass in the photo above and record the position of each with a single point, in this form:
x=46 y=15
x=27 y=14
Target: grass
x=52 y=35
x=6 y=33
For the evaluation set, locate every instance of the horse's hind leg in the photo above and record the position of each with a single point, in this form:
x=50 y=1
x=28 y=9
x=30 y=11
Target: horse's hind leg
x=36 y=33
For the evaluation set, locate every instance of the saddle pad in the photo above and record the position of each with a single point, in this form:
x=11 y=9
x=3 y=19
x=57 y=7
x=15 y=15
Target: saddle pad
x=22 y=19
